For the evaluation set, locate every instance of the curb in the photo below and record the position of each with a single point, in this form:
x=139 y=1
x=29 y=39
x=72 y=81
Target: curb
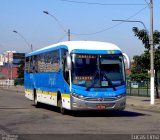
x=154 y=108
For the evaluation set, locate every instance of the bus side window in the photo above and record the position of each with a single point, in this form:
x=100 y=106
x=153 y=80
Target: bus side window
x=56 y=61
x=32 y=64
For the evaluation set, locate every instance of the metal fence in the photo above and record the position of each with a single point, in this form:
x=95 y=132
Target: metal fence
x=142 y=88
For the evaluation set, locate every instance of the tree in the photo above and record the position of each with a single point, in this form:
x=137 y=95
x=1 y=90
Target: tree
x=140 y=67
x=21 y=70
x=142 y=62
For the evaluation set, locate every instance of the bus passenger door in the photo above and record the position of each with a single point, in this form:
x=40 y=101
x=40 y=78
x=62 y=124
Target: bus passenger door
x=65 y=71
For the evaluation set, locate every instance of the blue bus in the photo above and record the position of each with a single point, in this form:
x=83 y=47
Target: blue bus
x=77 y=75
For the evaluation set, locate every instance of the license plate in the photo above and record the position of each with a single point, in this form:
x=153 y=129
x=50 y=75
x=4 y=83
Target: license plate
x=100 y=106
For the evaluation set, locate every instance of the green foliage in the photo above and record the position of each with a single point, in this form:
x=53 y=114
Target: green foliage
x=21 y=70
x=139 y=77
x=143 y=36
x=142 y=63
x=143 y=60
x=19 y=81
x=140 y=68
x=157 y=59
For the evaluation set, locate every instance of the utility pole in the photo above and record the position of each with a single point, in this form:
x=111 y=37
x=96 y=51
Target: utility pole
x=151 y=56
x=8 y=65
x=31 y=48
x=69 y=35
x=152 y=77
x=8 y=81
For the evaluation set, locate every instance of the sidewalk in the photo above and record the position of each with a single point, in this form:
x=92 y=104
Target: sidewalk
x=142 y=103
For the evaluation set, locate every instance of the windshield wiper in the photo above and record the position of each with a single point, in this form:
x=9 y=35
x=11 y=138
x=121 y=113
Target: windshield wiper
x=94 y=81
x=109 y=81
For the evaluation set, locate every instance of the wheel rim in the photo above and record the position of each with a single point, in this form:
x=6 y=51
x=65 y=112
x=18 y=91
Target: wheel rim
x=35 y=100
x=59 y=103
x=62 y=110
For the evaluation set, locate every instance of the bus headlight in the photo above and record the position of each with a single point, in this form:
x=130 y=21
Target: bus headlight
x=120 y=96
x=77 y=96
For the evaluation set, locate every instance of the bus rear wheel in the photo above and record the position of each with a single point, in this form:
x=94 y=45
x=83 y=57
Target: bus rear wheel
x=62 y=110
x=36 y=103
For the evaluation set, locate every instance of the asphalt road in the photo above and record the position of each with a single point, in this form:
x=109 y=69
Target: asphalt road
x=19 y=116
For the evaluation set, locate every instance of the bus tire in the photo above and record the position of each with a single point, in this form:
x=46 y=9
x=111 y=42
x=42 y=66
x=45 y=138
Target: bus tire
x=59 y=104
x=36 y=103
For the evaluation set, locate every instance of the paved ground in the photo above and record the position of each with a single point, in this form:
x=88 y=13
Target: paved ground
x=137 y=102
x=19 y=116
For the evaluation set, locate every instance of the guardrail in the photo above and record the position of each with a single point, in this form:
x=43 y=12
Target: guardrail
x=7 y=82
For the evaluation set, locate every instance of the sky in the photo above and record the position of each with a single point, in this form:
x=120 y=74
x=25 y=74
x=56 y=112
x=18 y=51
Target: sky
x=84 y=20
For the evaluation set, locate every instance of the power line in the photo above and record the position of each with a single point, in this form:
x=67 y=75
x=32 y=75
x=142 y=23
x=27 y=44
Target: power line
x=60 y=38
x=111 y=27
x=147 y=3
x=101 y=4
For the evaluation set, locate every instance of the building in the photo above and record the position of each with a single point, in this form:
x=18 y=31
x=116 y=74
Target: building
x=8 y=73
x=1 y=59
x=17 y=59
x=9 y=63
x=6 y=57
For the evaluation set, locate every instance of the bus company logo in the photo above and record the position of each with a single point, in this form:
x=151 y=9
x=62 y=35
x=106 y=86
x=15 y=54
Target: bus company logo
x=101 y=99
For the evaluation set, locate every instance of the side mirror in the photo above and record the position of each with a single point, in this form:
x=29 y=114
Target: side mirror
x=127 y=60
x=69 y=61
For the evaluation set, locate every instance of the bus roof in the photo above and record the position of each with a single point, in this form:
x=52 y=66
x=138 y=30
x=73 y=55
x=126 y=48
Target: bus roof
x=74 y=45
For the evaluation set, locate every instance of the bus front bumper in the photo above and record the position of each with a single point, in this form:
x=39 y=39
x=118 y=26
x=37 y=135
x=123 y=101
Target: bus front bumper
x=78 y=104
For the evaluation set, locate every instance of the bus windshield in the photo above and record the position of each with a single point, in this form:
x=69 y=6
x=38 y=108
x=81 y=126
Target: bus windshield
x=98 y=71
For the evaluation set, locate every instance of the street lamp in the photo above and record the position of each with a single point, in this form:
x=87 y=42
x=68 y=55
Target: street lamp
x=60 y=25
x=133 y=21
x=152 y=86
x=24 y=39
